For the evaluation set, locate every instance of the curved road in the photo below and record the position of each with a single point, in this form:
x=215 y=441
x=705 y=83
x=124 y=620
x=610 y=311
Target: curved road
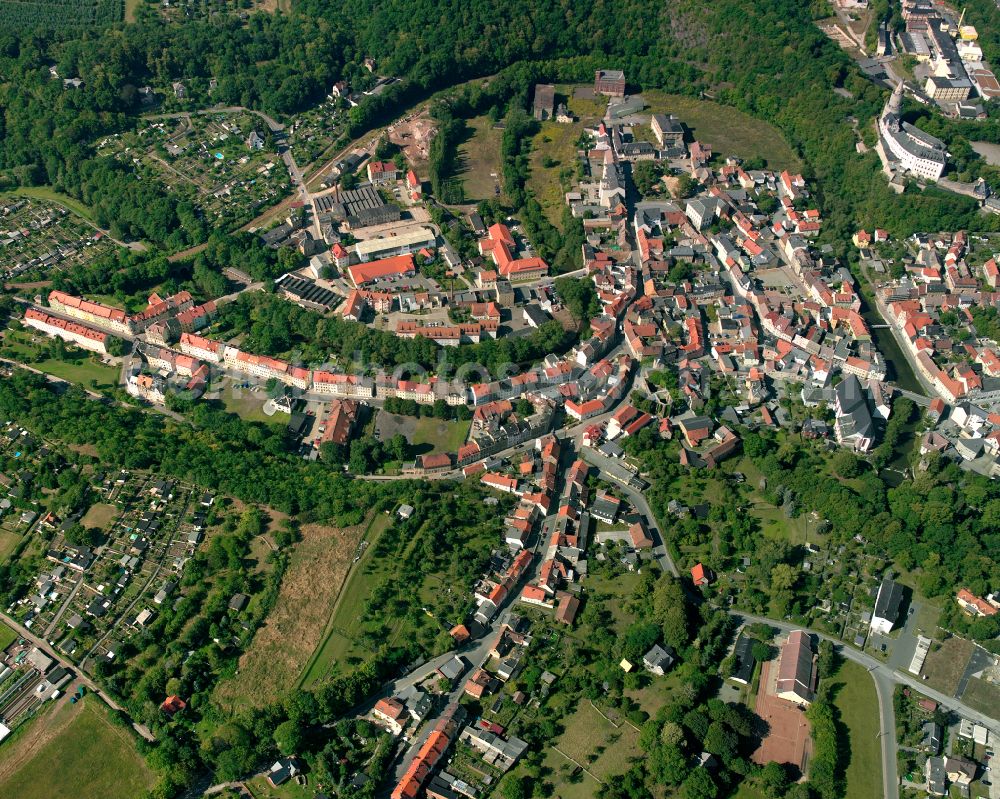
x=881 y=676
x=25 y=633
x=885 y=679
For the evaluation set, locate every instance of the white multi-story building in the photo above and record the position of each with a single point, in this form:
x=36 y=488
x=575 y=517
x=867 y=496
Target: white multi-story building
x=906 y=148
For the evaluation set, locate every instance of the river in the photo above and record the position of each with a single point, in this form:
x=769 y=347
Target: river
x=898 y=368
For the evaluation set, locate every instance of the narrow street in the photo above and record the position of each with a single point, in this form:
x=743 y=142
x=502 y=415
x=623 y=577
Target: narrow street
x=25 y=633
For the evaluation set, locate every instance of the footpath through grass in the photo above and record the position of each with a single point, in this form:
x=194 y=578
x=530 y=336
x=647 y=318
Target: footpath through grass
x=858 y=705
x=51 y=195
x=349 y=609
x=88 y=759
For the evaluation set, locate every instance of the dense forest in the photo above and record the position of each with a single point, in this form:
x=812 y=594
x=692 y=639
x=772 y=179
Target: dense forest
x=769 y=60
x=218 y=450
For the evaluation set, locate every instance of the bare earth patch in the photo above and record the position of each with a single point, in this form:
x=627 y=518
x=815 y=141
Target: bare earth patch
x=284 y=644
x=944 y=667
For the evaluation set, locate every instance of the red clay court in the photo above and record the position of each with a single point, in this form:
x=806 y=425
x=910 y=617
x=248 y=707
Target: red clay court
x=788 y=740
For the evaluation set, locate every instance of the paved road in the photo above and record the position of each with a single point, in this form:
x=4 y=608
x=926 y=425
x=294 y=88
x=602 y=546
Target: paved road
x=594 y=457
x=885 y=679
x=25 y=633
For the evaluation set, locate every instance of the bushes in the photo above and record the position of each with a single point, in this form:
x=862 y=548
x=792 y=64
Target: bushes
x=825 y=767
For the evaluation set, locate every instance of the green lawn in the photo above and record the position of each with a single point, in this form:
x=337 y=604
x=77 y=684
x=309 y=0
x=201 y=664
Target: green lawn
x=260 y=788
x=99 y=515
x=747 y=792
x=7 y=636
x=728 y=131
x=337 y=641
x=8 y=540
x=88 y=759
x=442 y=436
x=249 y=405
x=90 y=368
x=858 y=705
x=588 y=734
x=51 y=195
x=479 y=158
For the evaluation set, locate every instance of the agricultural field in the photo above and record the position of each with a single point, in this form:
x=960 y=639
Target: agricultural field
x=39 y=237
x=283 y=645
x=207 y=159
x=855 y=698
x=479 y=160
x=96 y=759
x=58 y=14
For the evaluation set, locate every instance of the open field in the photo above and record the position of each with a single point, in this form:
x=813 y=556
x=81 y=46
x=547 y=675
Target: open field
x=248 y=405
x=944 y=667
x=8 y=541
x=99 y=515
x=290 y=634
x=554 y=145
x=747 y=792
x=95 y=759
x=426 y=433
x=89 y=373
x=728 y=131
x=479 y=157
x=858 y=705
x=982 y=696
x=7 y=636
x=349 y=607
x=589 y=733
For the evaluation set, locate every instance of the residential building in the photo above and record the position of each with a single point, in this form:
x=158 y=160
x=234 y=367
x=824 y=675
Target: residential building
x=609 y=82
x=887 y=605
x=796 y=680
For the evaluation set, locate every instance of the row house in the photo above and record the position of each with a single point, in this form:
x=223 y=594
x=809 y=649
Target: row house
x=85 y=337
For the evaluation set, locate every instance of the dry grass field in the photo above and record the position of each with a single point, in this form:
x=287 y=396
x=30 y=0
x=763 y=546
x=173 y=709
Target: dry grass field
x=286 y=641
x=944 y=667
